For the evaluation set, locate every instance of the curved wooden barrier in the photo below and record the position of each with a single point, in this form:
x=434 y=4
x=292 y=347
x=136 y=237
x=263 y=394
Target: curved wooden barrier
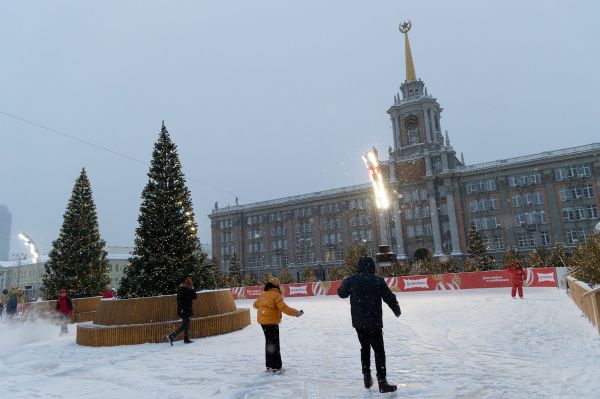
x=150 y=320
x=84 y=309
x=110 y=312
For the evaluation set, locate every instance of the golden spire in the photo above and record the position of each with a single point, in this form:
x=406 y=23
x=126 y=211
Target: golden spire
x=410 y=67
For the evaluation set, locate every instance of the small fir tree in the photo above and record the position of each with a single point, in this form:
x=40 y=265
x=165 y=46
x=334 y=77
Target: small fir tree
x=335 y=274
x=511 y=255
x=585 y=261
x=77 y=259
x=250 y=280
x=285 y=277
x=308 y=275
x=235 y=273
x=167 y=249
x=558 y=257
x=534 y=259
x=471 y=265
x=351 y=260
x=427 y=265
x=477 y=251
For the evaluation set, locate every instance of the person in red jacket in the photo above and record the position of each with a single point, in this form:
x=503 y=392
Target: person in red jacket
x=65 y=307
x=518 y=276
x=108 y=293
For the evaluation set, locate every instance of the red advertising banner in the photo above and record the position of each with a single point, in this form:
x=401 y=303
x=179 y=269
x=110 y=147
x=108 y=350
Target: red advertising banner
x=540 y=277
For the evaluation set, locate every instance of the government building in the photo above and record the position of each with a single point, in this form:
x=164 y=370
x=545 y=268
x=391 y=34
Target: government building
x=525 y=202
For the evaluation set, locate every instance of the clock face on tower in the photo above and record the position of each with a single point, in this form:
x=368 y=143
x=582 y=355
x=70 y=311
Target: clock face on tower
x=411 y=122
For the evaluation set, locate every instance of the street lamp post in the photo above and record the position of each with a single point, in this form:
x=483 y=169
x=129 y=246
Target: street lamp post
x=385 y=256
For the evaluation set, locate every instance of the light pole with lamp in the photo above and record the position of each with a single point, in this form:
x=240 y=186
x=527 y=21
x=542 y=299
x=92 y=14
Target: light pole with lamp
x=385 y=256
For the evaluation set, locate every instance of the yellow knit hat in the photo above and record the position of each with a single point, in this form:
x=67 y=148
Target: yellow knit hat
x=273 y=280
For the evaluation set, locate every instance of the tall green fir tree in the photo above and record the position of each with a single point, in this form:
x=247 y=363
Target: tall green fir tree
x=167 y=249
x=77 y=259
x=477 y=251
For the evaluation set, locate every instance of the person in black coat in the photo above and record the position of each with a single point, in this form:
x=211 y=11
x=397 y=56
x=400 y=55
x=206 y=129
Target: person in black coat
x=366 y=290
x=185 y=295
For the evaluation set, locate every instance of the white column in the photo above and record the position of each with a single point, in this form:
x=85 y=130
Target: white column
x=395 y=132
x=435 y=225
x=452 y=220
x=427 y=126
x=400 y=254
x=399 y=130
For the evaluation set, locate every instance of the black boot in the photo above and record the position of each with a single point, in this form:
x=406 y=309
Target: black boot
x=385 y=387
x=368 y=380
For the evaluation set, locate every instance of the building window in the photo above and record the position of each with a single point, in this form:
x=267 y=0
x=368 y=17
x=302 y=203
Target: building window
x=413 y=136
x=410 y=231
x=545 y=237
x=498 y=242
x=522 y=240
x=538 y=198
x=592 y=212
x=516 y=200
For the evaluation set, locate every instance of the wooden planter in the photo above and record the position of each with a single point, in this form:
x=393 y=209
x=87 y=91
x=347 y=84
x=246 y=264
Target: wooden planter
x=150 y=320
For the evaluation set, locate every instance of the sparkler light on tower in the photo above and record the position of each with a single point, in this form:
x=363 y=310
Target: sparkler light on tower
x=372 y=162
x=35 y=255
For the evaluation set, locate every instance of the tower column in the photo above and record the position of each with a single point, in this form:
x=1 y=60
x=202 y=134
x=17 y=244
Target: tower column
x=444 y=161
x=428 y=168
x=435 y=223
x=395 y=132
x=427 y=127
x=398 y=130
x=400 y=253
x=452 y=218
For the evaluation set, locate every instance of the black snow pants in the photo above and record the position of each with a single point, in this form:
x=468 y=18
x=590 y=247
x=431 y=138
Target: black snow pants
x=185 y=326
x=372 y=338
x=272 y=354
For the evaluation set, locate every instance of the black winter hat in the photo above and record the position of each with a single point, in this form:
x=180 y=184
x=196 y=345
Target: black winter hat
x=365 y=264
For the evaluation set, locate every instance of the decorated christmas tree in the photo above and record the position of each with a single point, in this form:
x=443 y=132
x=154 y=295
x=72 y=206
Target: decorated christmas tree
x=558 y=257
x=534 y=259
x=250 y=279
x=352 y=257
x=477 y=251
x=511 y=255
x=77 y=258
x=585 y=262
x=167 y=249
x=335 y=274
x=235 y=274
x=308 y=275
x=286 y=277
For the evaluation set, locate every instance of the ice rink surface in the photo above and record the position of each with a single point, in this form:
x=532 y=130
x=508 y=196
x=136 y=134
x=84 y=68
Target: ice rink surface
x=446 y=344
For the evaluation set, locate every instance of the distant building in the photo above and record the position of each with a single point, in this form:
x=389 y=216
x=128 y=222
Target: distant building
x=5 y=232
x=28 y=276
x=525 y=202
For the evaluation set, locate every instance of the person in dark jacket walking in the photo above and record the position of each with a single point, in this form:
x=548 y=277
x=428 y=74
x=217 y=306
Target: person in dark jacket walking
x=185 y=295
x=366 y=290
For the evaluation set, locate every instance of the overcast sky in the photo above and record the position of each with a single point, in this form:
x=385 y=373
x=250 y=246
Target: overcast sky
x=267 y=99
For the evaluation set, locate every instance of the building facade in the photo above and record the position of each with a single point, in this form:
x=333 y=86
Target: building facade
x=5 y=231
x=29 y=276
x=525 y=202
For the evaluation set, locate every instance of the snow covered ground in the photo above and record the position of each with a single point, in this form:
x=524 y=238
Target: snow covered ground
x=446 y=344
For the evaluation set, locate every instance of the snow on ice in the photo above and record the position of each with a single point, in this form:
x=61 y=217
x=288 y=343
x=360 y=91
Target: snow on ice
x=451 y=344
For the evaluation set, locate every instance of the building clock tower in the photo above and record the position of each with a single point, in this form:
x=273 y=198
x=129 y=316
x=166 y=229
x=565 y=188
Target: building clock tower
x=421 y=165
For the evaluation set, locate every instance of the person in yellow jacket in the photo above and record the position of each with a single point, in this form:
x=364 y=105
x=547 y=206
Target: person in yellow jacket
x=269 y=307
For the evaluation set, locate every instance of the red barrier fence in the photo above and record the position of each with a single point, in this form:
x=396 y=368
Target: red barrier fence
x=540 y=277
